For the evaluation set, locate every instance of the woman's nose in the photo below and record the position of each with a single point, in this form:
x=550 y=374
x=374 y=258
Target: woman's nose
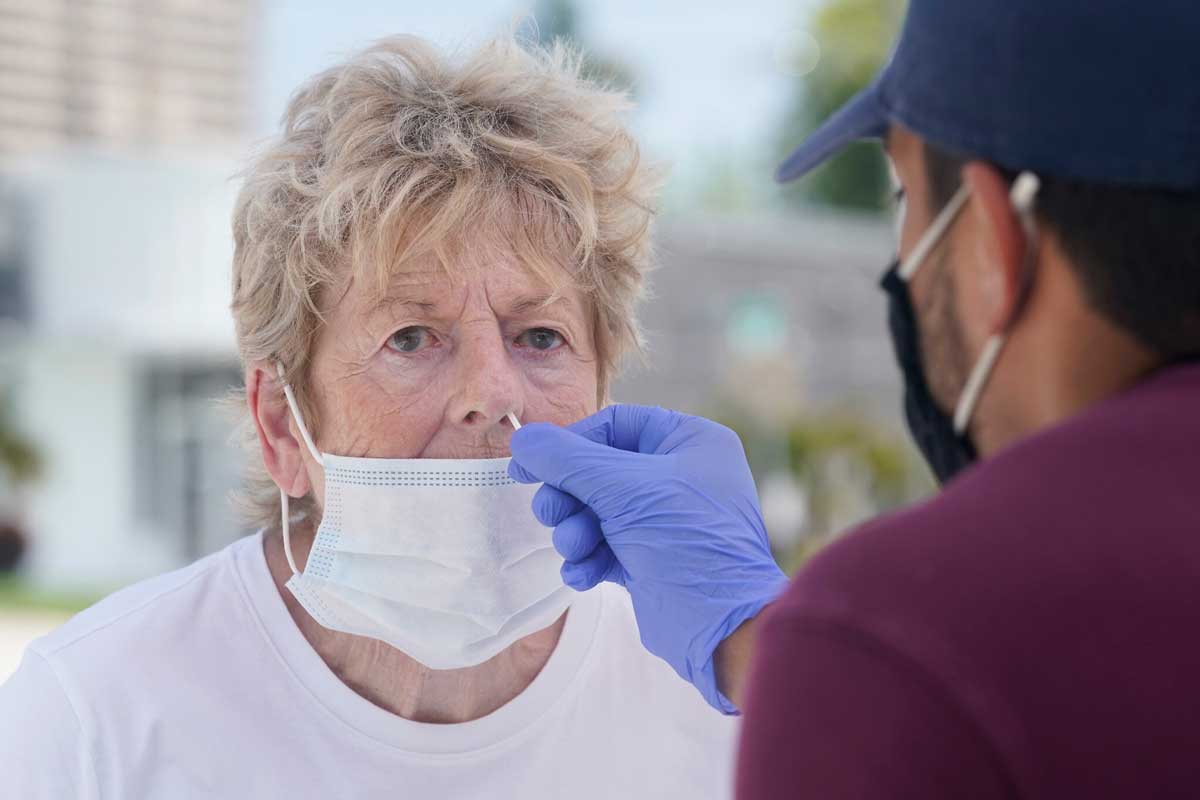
x=488 y=381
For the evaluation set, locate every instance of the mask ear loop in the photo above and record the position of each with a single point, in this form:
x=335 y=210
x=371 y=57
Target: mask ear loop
x=1022 y=196
x=285 y=521
x=933 y=236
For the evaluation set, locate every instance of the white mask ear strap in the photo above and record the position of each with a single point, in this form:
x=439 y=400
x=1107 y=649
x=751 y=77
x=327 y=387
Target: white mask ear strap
x=1022 y=195
x=976 y=382
x=285 y=517
x=931 y=237
x=295 y=409
x=285 y=525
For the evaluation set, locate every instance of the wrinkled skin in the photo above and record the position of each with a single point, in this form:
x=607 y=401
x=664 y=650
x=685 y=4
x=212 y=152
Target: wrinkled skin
x=429 y=370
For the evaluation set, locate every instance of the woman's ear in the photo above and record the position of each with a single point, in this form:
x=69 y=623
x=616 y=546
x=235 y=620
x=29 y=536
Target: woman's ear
x=1000 y=246
x=282 y=450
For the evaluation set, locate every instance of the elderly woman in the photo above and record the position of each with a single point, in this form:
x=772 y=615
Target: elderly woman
x=432 y=251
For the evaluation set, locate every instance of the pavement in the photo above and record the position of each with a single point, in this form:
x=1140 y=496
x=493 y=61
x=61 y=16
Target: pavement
x=17 y=629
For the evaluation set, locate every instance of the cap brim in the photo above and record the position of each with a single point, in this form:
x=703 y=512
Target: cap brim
x=864 y=117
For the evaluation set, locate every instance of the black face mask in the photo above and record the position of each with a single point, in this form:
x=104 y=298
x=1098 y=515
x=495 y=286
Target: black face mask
x=933 y=430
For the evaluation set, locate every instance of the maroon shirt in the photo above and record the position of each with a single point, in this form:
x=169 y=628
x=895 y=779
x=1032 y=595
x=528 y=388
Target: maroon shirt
x=1031 y=632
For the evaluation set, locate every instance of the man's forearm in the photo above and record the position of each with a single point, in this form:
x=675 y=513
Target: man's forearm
x=732 y=659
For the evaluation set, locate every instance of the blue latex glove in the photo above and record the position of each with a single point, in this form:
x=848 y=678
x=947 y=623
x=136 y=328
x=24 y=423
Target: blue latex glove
x=664 y=504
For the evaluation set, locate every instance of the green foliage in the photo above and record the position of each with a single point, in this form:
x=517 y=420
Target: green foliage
x=884 y=463
x=17 y=593
x=18 y=455
x=854 y=37
x=848 y=468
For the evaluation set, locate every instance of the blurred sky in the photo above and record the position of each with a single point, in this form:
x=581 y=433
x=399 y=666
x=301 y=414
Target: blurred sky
x=712 y=75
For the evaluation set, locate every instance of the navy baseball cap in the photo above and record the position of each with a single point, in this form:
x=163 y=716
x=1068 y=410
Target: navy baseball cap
x=1102 y=91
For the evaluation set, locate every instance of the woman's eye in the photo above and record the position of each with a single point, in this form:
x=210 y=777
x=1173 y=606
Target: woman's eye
x=540 y=339
x=410 y=340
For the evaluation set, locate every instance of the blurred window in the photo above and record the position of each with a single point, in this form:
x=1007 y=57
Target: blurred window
x=757 y=326
x=187 y=464
x=14 y=252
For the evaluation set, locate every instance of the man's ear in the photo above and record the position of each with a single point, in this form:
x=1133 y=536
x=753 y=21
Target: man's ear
x=282 y=450
x=1000 y=246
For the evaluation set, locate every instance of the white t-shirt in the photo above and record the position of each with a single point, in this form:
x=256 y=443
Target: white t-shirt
x=199 y=684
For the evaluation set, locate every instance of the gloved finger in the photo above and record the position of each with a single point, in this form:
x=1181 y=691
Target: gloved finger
x=552 y=506
x=638 y=429
x=577 y=536
x=519 y=473
x=602 y=565
x=594 y=473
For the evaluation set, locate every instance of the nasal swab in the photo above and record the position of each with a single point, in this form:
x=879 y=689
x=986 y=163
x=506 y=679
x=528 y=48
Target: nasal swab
x=512 y=418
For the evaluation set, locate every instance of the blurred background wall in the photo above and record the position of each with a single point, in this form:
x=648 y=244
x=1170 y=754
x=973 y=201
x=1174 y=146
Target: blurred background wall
x=123 y=124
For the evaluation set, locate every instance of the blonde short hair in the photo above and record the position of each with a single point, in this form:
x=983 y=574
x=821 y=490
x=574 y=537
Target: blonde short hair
x=400 y=151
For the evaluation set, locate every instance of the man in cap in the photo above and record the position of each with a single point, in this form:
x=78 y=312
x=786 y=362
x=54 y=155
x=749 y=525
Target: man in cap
x=1031 y=631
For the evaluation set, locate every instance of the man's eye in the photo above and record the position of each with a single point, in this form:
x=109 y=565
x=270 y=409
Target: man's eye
x=540 y=339
x=410 y=340
x=898 y=209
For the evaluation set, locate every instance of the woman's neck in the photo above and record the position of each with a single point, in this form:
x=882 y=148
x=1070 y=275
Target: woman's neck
x=393 y=681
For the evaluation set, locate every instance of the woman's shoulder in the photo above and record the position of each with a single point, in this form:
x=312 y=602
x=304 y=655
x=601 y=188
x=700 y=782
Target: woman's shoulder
x=128 y=620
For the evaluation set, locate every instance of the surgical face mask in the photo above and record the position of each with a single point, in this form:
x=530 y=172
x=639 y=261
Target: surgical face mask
x=440 y=558
x=943 y=440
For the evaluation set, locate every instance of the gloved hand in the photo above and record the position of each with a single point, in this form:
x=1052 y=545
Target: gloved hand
x=664 y=504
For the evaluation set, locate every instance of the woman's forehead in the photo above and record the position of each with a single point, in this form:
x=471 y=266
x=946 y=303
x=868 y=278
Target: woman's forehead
x=504 y=284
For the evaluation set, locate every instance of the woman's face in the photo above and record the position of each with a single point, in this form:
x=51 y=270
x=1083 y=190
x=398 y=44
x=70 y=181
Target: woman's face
x=431 y=368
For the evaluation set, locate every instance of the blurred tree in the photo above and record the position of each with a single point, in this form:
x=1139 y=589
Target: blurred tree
x=722 y=185
x=853 y=37
x=19 y=463
x=18 y=457
x=847 y=468
x=560 y=19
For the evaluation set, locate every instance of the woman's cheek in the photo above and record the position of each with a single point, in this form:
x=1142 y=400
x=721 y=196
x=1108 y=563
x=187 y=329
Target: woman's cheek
x=406 y=376
x=562 y=395
x=391 y=410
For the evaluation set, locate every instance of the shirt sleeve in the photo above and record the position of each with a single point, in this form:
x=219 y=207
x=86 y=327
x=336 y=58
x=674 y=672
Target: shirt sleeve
x=832 y=713
x=43 y=751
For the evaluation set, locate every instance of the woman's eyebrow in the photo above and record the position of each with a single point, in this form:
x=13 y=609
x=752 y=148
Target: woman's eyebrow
x=408 y=304
x=523 y=305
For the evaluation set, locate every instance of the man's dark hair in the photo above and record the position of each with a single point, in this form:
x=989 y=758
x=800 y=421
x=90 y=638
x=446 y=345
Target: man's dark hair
x=1136 y=251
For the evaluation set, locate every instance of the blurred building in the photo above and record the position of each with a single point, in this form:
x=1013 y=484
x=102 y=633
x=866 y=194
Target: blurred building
x=772 y=314
x=127 y=343
x=131 y=73
x=776 y=325
x=121 y=125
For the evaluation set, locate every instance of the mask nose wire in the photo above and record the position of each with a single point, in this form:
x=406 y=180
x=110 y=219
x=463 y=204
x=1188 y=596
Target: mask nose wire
x=285 y=521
